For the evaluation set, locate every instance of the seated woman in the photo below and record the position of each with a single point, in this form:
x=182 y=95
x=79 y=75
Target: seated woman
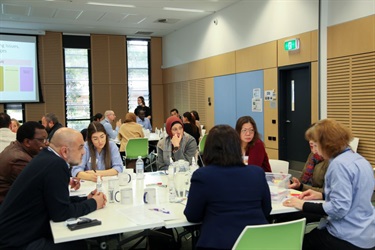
x=197 y=122
x=176 y=145
x=251 y=144
x=348 y=221
x=312 y=176
x=226 y=195
x=190 y=127
x=129 y=129
x=101 y=155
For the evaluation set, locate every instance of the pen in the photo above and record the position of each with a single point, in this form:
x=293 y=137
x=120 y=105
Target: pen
x=94 y=171
x=160 y=210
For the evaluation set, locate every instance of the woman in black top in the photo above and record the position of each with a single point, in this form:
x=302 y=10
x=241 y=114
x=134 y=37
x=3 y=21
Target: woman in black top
x=190 y=127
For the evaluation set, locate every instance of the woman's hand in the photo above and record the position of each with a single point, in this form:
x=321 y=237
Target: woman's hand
x=176 y=139
x=311 y=195
x=296 y=184
x=294 y=202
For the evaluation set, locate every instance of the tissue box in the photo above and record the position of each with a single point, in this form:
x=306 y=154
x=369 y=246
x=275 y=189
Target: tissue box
x=278 y=184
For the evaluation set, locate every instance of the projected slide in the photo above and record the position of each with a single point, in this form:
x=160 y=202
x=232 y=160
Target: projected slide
x=18 y=72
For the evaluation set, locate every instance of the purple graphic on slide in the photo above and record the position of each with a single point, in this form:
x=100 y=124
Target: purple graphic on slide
x=26 y=79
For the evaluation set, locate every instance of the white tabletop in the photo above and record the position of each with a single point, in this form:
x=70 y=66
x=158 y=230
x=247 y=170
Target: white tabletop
x=117 y=218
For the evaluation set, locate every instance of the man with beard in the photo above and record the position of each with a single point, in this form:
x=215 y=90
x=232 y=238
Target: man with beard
x=31 y=139
x=40 y=194
x=51 y=123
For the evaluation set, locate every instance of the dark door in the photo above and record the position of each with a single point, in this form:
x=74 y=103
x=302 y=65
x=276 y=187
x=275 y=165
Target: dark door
x=294 y=113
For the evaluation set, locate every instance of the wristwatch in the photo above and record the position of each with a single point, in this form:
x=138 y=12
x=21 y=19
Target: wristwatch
x=175 y=148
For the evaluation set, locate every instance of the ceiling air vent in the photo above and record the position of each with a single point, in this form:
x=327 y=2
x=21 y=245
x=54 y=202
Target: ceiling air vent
x=144 y=33
x=167 y=20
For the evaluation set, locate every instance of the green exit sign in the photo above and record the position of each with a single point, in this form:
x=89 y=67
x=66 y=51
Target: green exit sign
x=290 y=45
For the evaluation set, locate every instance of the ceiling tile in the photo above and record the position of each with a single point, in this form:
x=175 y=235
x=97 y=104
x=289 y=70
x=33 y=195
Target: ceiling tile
x=11 y=9
x=67 y=14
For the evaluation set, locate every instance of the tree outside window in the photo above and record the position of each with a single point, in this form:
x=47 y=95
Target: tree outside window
x=138 y=72
x=77 y=91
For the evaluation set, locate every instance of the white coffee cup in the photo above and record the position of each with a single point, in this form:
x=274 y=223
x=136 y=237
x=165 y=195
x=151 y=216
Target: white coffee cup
x=124 y=178
x=126 y=196
x=149 y=196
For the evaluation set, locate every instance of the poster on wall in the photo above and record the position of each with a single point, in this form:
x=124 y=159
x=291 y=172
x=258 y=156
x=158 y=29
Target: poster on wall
x=257 y=105
x=256 y=101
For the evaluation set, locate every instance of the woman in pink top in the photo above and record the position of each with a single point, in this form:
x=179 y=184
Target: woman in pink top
x=251 y=145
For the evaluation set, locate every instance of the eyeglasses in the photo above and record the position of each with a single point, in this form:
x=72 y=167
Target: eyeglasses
x=42 y=140
x=250 y=131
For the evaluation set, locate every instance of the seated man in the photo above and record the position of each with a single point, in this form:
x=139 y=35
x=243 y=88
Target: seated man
x=109 y=117
x=40 y=194
x=6 y=134
x=51 y=123
x=31 y=139
x=143 y=120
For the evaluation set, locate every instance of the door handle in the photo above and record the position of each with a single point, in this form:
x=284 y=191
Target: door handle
x=287 y=121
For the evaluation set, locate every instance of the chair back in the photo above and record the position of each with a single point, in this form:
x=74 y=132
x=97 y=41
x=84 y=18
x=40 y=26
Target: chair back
x=279 y=166
x=202 y=142
x=354 y=144
x=136 y=147
x=277 y=236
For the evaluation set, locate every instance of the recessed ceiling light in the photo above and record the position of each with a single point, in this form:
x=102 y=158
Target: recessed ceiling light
x=180 y=9
x=111 y=4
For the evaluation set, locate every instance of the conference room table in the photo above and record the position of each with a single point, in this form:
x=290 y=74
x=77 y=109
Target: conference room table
x=117 y=218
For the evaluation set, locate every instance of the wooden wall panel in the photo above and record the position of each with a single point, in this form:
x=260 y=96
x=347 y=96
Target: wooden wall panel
x=350 y=97
x=314 y=45
x=272 y=153
x=221 y=65
x=100 y=59
x=271 y=110
x=118 y=99
x=210 y=109
x=109 y=74
x=304 y=54
x=158 y=104
x=181 y=73
x=157 y=93
x=117 y=56
x=262 y=56
x=354 y=37
x=100 y=100
x=197 y=69
x=54 y=103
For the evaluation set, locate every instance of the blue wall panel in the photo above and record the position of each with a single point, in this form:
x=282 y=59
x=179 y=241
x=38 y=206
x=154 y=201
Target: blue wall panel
x=225 y=100
x=245 y=84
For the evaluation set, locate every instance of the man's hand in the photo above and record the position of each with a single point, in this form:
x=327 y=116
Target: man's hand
x=100 y=199
x=74 y=183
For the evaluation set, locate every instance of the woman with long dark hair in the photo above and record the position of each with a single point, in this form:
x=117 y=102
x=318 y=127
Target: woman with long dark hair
x=101 y=157
x=190 y=127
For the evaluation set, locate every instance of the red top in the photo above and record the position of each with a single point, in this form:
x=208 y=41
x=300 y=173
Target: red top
x=258 y=156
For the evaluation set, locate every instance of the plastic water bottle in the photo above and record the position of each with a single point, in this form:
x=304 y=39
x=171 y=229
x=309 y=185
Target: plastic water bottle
x=139 y=168
x=194 y=166
x=99 y=184
x=171 y=187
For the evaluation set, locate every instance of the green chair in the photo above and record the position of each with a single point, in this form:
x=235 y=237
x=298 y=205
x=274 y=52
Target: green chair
x=137 y=147
x=278 y=236
x=202 y=142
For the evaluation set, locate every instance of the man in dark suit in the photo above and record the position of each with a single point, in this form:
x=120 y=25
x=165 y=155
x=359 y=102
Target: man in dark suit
x=40 y=194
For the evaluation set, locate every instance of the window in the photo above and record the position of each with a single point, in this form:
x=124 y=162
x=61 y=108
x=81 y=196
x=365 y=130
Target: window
x=77 y=90
x=15 y=110
x=138 y=72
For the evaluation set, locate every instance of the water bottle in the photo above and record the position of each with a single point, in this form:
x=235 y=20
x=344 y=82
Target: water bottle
x=99 y=184
x=194 y=166
x=171 y=187
x=139 y=168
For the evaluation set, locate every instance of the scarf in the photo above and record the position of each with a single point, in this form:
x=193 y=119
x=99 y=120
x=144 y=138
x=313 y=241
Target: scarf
x=307 y=175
